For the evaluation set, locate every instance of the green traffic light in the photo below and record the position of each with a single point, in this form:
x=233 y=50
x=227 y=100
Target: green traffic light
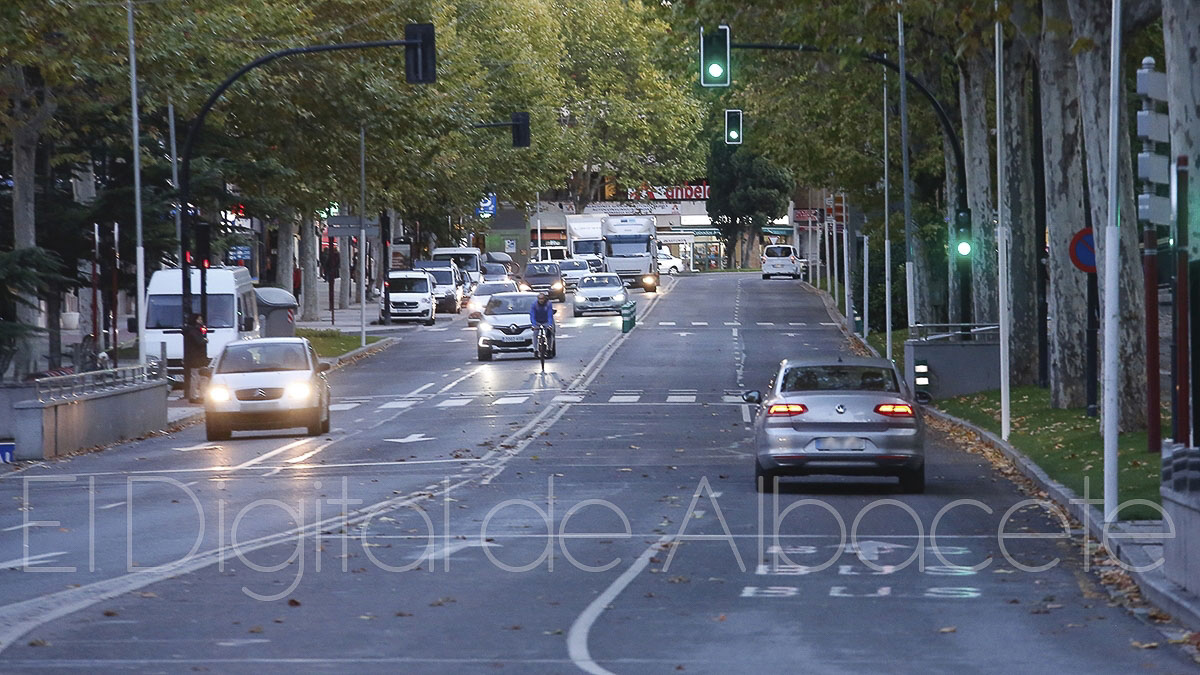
x=964 y=248
x=733 y=134
x=715 y=70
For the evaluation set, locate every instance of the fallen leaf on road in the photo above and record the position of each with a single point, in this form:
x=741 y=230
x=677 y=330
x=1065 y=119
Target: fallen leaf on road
x=38 y=642
x=148 y=594
x=556 y=631
x=109 y=612
x=635 y=447
x=293 y=602
x=1143 y=645
x=255 y=629
x=678 y=580
x=403 y=614
x=948 y=629
x=720 y=618
x=624 y=470
x=1159 y=616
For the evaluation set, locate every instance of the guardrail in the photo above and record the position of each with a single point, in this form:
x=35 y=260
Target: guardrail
x=950 y=331
x=73 y=386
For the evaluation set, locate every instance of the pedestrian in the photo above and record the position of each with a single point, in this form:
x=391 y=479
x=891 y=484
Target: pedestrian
x=195 y=335
x=297 y=277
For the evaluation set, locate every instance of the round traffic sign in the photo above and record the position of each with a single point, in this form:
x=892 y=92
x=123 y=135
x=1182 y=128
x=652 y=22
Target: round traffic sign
x=1083 y=250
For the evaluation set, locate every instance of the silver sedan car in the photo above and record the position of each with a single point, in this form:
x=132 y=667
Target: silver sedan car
x=599 y=293
x=843 y=416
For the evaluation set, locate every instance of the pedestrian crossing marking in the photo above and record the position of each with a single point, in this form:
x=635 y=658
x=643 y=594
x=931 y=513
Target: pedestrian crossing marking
x=343 y=406
x=681 y=398
x=568 y=398
x=510 y=400
x=733 y=323
x=766 y=323
x=699 y=323
x=624 y=398
x=454 y=403
x=666 y=323
x=729 y=398
x=397 y=404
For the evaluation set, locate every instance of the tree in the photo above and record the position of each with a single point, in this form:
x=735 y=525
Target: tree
x=746 y=192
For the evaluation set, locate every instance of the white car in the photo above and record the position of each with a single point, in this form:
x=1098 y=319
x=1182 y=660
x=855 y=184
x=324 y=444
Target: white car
x=448 y=287
x=573 y=269
x=505 y=327
x=780 y=259
x=268 y=383
x=483 y=292
x=668 y=263
x=599 y=293
x=407 y=295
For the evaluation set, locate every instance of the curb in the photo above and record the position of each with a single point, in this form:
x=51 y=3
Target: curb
x=1183 y=605
x=335 y=364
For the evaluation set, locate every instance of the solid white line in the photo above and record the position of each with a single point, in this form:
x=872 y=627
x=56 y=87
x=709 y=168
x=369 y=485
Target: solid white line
x=22 y=526
x=746 y=413
x=111 y=506
x=265 y=456
x=419 y=389
x=30 y=560
x=455 y=383
x=310 y=453
x=577 y=637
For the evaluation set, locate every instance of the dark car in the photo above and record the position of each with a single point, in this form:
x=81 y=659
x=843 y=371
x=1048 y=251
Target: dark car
x=545 y=277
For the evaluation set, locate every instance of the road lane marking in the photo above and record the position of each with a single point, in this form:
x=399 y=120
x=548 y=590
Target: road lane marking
x=411 y=438
x=339 y=407
x=398 y=404
x=265 y=456
x=111 y=506
x=733 y=323
x=666 y=323
x=766 y=323
x=454 y=402
x=199 y=446
x=577 y=636
x=17 y=563
x=510 y=400
x=746 y=413
x=699 y=323
x=567 y=398
x=624 y=398
x=797 y=323
x=681 y=398
x=22 y=526
x=450 y=385
x=419 y=389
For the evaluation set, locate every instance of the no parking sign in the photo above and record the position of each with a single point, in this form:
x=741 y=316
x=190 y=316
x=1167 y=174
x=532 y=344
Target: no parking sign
x=1083 y=250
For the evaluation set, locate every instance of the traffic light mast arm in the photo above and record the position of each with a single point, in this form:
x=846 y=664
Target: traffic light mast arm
x=943 y=118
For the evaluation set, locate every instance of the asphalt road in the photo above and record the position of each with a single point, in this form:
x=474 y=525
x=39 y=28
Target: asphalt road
x=466 y=517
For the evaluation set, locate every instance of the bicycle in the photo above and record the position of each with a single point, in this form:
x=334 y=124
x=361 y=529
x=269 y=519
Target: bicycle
x=541 y=344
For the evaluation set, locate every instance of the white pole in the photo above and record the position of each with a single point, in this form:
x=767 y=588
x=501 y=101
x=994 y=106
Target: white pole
x=1112 y=243
x=847 y=291
x=1002 y=237
x=175 y=183
x=866 y=277
x=910 y=285
x=140 y=289
x=362 y=235
x=887 y=235
x=826 y=234
x=538 y=206
x=835 y=290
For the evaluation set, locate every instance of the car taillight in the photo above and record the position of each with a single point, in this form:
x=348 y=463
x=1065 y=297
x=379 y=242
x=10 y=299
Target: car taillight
x=894 y=409
x=786 y=409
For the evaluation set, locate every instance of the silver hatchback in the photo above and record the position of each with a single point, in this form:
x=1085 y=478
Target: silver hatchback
x=844 y=416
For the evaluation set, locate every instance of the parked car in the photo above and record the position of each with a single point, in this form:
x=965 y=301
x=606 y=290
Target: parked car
x=483 y=293
x=780 y=259
x=408 y=295
x=599 y=293
x=668 y=263
x=573 y=269
x=449 y=283
x=505 y=328
x=850 y=416
x=266 y=383
x=545 y=277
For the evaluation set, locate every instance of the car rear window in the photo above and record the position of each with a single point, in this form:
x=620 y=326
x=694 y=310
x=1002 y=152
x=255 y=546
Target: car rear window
x=839 y=378
x=778 y=251
x=572 y=265
x=490 y=288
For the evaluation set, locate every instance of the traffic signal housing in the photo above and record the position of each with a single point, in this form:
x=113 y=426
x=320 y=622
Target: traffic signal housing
x=962 y=233
x=420 y=59
x=714 y=57
x=520 y=129
x=733 y=127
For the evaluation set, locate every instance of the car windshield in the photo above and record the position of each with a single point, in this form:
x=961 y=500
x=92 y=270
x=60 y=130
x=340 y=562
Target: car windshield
x=166 y=311
x=466 y=261
x=493 y=288
x=596 y=282
x=572 y=265
x=408 y=285
x=839 y=378
x=242 y=357
x=511 y=304
x=539 y=269
x=442 y=276
x=493 y=268
x=628 y=245
x=589 y=247
x=778 y=251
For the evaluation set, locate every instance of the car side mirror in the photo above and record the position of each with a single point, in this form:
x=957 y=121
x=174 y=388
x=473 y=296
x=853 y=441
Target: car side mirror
x=131 y=324
x=206 y=371
x=323 y=367
x=924 y=398
x=754 y=397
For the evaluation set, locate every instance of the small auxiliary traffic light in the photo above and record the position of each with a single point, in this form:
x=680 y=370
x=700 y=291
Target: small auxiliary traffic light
x=714 y=57
x=520 y=129
x=733 y=127
x=420 y=59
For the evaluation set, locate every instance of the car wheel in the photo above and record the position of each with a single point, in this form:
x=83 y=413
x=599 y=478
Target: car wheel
x=314 y=425
x=430 y=321
x=214 y=429
x=328 y=419
x=795 y=276
x=577 y=313
x=672 y=271
x=766 y=276
x=913 y=481
x=485 y=354
x=764 y=481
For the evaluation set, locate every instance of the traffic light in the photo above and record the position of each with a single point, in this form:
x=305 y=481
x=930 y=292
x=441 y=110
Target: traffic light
x=520 y=129
x=733 y=127
x=962 y=232
x=714 y=57
x=420 y=60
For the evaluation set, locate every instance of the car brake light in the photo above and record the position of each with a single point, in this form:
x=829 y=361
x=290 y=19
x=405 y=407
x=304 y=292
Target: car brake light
x=894 y=409
x=786 y=409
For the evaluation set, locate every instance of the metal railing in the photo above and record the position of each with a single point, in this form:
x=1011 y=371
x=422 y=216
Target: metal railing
x=978 y=332
x=65 y=387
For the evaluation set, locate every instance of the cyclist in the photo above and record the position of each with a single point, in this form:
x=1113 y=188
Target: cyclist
x=541 y=315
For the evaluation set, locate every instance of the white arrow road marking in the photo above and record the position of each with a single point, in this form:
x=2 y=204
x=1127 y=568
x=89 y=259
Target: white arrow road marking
x=411 y=438
x=17 y=563
x=790 y=334
x=199 y=446
x=268 y=455
x=450 y=549
x=456 y=340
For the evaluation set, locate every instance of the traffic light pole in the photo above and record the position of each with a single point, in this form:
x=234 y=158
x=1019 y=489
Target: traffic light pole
x=186 y=174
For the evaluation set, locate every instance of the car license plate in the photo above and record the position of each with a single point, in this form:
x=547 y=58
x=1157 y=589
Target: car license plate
x=512 y=338
x=841 y=443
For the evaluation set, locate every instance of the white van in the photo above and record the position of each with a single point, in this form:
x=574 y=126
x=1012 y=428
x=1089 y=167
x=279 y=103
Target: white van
x=467 y=260
x=232 y=311
x=780 y=259
x=408 y=295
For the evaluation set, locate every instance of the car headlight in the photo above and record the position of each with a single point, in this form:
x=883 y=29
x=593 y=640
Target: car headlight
x=647 y=279
x=556 y=285
x=474 y=306
x=298 y=391
x=524 y=286
x=619 y=297
x=579 y=297
x=218 y=393
x=484 y=325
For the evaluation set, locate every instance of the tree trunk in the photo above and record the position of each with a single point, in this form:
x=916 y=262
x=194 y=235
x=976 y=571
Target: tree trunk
x=25 y=361
x=1018 y=196
x=1093 y=21
x=285 y=252
x=1181 y=44
x=975 y=72
x=311 y=308
x=54 y=326
x=953 y=289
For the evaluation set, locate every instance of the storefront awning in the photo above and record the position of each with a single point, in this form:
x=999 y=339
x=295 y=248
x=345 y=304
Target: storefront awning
x=781 y=231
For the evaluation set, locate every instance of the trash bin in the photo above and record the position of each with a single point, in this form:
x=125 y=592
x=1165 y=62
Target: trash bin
x=276 y=312
x=628 y=316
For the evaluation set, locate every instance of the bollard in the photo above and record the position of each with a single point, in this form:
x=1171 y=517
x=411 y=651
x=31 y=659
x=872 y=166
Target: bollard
x=628 y=316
